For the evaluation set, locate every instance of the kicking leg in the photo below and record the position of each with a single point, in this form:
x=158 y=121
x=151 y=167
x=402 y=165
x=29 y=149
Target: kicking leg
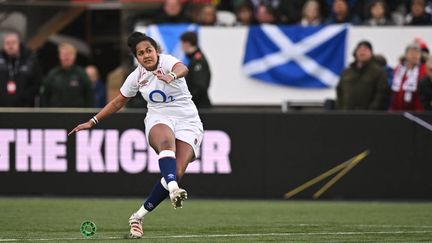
x=161 y=138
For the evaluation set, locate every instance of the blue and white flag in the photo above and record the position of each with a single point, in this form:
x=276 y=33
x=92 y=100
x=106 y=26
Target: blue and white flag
x=168 y=37
x=306 y=57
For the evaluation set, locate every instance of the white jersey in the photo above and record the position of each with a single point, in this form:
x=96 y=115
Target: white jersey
x=171 y=100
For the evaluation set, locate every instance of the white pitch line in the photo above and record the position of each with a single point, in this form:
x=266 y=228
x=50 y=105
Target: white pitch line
x=359 y=225
x=227 y=235
x=391 y=226
x=60 y=239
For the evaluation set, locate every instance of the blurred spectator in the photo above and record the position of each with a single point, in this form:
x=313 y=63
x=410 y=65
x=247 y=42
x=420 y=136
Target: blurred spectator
x=173 y=11
x=266 y=14
x=245 y=15
x=363 y=85
x=207 y=15
x=67 y=85
x=13 y=21
x=198 y=78
x=311 y=13
x=341 y=14
x=97 y=84
x=381 y=60
x=20 y=74
x=290 y=11
x=405 y=81
x=115 y=80
x=378 y=14
x=425 y=87
x=418 y=15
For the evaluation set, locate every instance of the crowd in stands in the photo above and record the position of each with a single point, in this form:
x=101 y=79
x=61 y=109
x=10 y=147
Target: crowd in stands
x=369 y=84
x=304 y=12
x=366 y=84
x=22 y=83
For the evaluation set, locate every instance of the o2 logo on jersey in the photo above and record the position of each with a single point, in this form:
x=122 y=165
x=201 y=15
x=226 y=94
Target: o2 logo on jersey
x=158 y=96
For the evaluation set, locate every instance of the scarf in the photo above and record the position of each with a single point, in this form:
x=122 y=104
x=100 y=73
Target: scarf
x=410 y=84
x=411 y=79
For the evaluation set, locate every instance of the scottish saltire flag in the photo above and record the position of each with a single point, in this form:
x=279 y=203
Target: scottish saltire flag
x=307 y=57
x=168 y=37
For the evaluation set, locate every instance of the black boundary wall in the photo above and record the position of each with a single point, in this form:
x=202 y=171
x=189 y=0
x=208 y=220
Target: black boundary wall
x=270 y=154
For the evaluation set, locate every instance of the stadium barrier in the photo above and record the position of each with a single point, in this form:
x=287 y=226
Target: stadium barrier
x=243 y=155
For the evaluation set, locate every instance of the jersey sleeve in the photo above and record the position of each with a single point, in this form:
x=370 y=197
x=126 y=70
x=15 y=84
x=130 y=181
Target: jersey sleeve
x=169 y=62
x=130 y=86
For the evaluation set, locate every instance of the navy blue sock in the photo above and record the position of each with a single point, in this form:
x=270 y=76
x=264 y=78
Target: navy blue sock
x=167 y=166
x=157 y=195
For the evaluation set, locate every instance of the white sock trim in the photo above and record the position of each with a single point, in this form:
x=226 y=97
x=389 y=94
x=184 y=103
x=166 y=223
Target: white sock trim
x=164 y=184
x=142 y=211
x=166 y=153
x=172 y=185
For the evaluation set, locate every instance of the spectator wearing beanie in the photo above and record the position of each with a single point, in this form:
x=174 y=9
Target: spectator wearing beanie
x=363 y=85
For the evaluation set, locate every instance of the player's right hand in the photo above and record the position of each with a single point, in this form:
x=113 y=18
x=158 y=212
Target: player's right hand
x=82 y=126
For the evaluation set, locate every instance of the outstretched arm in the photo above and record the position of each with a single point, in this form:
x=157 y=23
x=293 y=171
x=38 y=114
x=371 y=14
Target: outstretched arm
x=116 y=104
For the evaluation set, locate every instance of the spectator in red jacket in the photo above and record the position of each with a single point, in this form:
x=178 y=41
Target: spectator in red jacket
x=405 y=96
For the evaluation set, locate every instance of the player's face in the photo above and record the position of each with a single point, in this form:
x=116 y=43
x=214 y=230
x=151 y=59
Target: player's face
x=11 y=45
x=146 y=55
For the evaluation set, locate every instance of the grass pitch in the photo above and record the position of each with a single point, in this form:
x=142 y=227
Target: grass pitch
x=59 y=220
